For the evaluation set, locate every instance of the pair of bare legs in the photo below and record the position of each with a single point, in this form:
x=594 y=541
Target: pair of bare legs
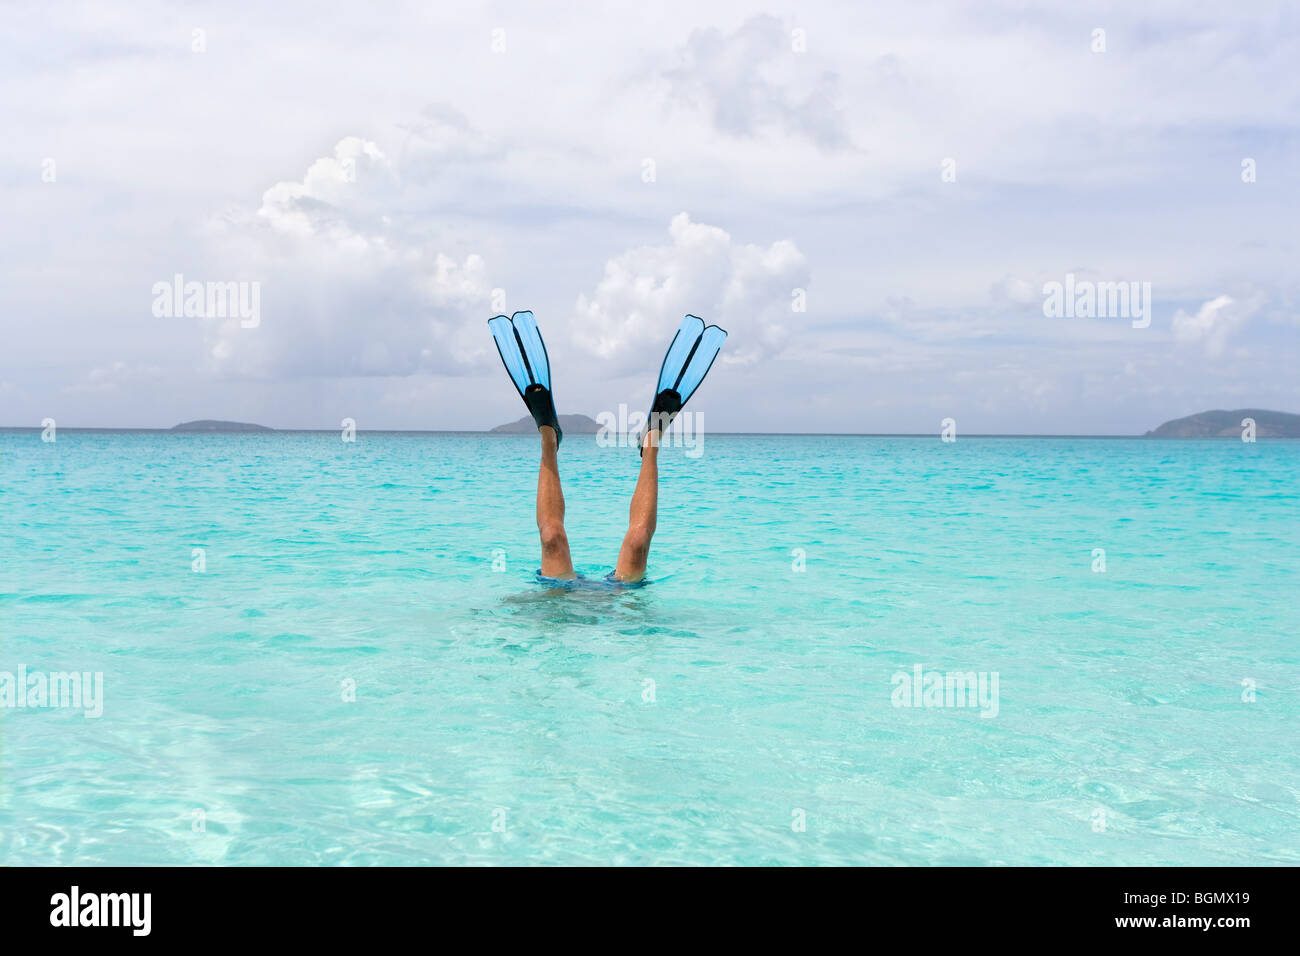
x=632 y=556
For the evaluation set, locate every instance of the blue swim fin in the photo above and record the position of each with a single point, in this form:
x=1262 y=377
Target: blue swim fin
x=687 y=361
x=523 y=352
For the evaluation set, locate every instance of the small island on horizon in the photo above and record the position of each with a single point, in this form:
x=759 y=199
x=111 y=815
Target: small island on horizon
x=216 y=425
x=1220 y=423
x=574 y=424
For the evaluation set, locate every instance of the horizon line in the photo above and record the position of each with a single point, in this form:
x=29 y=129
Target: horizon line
x=268 y=430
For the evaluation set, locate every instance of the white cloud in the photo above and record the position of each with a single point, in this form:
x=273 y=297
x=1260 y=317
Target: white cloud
x=349 y=285
x=1214 y=322
x=747 y=289
x=1015 y=291
x=328 y=200
x=751 y=80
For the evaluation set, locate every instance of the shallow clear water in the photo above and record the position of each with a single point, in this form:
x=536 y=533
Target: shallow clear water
x=497 y=722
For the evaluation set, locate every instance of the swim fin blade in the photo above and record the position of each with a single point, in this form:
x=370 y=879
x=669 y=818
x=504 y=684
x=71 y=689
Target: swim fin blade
x=687 y=361
x=519 y=342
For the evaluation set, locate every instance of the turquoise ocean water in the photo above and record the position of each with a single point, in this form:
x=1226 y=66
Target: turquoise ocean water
x=738 y=710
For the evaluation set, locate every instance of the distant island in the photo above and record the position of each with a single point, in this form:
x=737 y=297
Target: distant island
x=212 y=425
x=575 y=424
x=1225 y=424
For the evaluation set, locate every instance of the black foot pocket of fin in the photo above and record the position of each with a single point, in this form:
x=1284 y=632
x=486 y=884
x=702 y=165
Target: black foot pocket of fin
x=665 y=408
x=542 y=406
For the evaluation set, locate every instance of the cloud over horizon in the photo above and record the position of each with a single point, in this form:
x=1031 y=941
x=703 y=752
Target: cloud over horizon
x=745 y=288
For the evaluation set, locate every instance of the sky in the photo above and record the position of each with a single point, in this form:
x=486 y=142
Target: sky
x=871 y=198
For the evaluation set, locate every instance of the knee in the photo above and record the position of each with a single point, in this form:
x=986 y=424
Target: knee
x=553 y=537
x=637 y=542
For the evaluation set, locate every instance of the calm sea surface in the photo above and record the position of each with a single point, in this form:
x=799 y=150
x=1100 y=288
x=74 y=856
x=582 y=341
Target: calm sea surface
x=358 y=666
